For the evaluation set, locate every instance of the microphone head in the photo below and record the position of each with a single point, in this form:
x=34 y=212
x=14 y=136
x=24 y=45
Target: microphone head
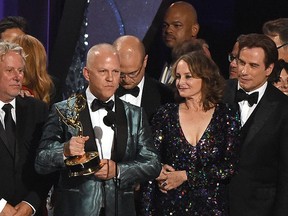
x=98 y=132
x=110 y=119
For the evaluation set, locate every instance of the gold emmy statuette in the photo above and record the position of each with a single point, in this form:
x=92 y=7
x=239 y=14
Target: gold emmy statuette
x=82 y=164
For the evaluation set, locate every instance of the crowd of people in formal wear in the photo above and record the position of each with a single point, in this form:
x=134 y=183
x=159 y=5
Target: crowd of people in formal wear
x=180 y=140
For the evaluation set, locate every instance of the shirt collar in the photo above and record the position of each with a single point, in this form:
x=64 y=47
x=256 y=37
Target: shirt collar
x=13 y=103
x=261 y=90
x=90 y=97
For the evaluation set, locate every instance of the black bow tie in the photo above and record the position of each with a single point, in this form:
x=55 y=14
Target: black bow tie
x=98 y=104
x=241 y=95
x=122 y=91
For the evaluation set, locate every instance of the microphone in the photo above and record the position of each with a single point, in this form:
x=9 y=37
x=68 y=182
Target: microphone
x=110 y=119
x=98 y=135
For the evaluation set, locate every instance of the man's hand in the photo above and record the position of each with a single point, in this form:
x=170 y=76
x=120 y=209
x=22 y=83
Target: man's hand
x=75 y=146
x=8 y=210
x=107 y=171
x=23 y=209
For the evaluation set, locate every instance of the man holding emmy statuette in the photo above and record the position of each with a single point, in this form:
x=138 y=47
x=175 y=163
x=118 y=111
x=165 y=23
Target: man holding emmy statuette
x=101 y=145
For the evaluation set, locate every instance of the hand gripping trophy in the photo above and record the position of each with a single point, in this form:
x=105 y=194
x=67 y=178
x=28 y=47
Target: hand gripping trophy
x=82 y=164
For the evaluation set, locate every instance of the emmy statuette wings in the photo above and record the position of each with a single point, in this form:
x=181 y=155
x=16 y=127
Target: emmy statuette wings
x=81 y=164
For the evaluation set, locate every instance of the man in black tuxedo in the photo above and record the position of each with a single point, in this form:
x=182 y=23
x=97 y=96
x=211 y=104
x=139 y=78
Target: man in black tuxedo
x=261 y=186
x=22 y=191
x=135 y=87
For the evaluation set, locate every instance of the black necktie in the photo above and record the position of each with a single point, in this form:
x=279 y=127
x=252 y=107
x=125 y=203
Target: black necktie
x=241 y=95
x=122 y=91
x=10 y=127
x=98 y=104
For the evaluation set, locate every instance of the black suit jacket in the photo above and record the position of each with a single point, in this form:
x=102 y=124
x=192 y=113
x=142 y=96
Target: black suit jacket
x=261 y=186
x=155 y=94
x=19 y=180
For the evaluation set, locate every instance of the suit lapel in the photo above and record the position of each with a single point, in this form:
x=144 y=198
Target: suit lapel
x=121 y=131
x=4 y=140
x=150 y=97
x=230 y=91
x=22 y=114
x=85 y=119
x=261 y=113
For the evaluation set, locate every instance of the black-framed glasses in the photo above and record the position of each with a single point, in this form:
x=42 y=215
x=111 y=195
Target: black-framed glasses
x=231 y=57
x=131 y=74
x=284 y=44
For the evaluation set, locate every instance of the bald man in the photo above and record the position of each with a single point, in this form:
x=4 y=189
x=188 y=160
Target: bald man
x=135 y=87
x=127 y=151
x=180 y=23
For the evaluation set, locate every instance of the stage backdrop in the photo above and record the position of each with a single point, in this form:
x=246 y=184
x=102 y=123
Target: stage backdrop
x=69 y=27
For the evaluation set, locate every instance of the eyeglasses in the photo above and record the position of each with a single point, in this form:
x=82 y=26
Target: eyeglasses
x=131 y=74
x=231 y=57
x=284 y=44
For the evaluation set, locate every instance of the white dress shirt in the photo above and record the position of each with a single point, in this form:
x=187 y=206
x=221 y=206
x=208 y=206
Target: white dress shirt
x=166 y=76
x=2 y=112
x=245 y=109
x=135 y=100
x=104 y=135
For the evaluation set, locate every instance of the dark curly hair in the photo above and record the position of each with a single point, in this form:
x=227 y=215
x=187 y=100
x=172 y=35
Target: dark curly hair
x=206 y=69
x=13 y=22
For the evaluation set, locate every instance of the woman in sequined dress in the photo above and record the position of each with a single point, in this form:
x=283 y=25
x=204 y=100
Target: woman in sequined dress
x=198 y=140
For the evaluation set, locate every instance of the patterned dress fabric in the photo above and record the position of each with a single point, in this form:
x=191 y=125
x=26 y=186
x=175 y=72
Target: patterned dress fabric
x=209 y=164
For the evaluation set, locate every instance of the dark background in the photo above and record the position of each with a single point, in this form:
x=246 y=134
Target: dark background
x=56 y=23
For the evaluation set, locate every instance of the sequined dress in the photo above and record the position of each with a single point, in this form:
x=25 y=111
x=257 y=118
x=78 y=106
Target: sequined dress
x=209 y=165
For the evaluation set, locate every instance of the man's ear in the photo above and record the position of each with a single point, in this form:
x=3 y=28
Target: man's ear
x=195 y=29
x=145 y=61
x=86 y=73
x=269 y=69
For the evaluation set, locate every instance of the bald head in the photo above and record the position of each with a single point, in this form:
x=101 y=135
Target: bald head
x=186 y=9
x=128 y=47
x=132 y=60
x=98 y=50
x=102 y=71
x=180 y=23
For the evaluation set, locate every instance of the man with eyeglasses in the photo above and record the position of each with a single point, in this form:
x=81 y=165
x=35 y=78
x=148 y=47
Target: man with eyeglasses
x=277 y=30
x=233 y=72
x=135 y=87
x=233 y=67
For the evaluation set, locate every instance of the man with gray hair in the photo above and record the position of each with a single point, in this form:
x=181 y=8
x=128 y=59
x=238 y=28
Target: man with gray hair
x=22 y=191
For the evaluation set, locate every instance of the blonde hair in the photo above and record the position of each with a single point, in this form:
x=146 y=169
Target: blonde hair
x=36 y=76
